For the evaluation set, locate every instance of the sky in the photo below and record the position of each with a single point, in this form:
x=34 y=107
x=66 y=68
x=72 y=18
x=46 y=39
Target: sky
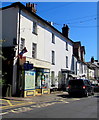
x=81 y=17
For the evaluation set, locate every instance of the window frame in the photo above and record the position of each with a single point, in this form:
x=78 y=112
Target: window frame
x=52 y=77
x=53 y=57
x=34 y=29
x=34 y=49
x=53 y=38
x=22 y=43
x=66 y=61
x=67 y=46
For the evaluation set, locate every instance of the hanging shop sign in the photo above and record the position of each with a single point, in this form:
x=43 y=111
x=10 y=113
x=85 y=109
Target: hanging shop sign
x=28 y=66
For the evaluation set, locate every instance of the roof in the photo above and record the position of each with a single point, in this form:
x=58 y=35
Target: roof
x=20 y=5
x=92 y=65
x=77 y=44
x=83 y=49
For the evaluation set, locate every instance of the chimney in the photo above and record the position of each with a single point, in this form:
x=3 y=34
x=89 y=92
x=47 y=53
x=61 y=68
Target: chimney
x=92 y=59
x=31 y=7
x=65 y=30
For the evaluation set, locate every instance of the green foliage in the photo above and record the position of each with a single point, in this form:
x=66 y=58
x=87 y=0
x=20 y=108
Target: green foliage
x=2 y=82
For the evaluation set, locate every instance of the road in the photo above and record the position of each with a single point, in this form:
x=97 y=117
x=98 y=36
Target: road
x=64 y=108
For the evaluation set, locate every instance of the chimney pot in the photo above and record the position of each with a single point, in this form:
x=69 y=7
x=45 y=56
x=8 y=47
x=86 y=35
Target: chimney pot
x=65 y=30
x=31 y=7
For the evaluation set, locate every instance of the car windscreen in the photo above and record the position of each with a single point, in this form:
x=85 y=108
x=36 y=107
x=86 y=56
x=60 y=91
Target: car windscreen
x=76 y=82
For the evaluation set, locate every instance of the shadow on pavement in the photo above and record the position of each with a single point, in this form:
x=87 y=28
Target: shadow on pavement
x=68 y=96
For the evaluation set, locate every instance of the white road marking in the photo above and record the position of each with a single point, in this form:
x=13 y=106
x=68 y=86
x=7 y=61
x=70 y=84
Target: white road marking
x=75 y=99
x=23 y=109
x=66 y=102
x=4 y=113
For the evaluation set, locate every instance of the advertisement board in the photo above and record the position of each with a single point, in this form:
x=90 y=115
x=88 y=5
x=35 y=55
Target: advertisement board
x=29 y=80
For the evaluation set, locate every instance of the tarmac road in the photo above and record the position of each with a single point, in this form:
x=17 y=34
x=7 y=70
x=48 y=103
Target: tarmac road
x=64 y=107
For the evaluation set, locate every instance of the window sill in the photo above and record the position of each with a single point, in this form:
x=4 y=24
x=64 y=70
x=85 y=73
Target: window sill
x=34 y=33
x=53 y=63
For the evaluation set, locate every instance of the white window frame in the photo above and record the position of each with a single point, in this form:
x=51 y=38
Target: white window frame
x=52 y=77
x=66 y=61
x=34 y=27
x=53 y=38
x=22 y=43
x=53 y=57
x=34 y=50
x=67 y=46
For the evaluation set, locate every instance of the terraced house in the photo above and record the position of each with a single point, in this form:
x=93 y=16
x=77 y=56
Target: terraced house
x=38 y=55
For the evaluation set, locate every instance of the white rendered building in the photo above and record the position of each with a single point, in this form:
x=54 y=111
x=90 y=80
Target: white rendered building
x=49 y=50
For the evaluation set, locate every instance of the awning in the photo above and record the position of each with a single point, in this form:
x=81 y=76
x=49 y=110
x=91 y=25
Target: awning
x=73 y=75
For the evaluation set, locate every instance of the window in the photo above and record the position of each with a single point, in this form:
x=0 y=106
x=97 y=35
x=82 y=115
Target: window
x=53 y=58
x=52 y=78
x=66 y=46
x=22 y=43
x=53 y=38
x=34 y=27
x=34 y=50
x=66 y=61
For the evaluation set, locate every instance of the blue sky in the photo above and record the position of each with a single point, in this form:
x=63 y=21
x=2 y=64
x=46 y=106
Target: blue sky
x=81 y=17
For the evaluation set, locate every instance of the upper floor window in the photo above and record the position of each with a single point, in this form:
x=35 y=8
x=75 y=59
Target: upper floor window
x=53 y=57
x=66 y=45
x=66 y=61
x=22 y=43
x=52 y=78
x=34 y=50
x=53 y=38
x=34 y=27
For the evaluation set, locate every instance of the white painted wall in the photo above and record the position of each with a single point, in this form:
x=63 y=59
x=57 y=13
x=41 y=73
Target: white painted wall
x=43 y=39
x=44 y=43
x=91 y=73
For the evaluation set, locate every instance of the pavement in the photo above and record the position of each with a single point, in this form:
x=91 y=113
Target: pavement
x=41 y=98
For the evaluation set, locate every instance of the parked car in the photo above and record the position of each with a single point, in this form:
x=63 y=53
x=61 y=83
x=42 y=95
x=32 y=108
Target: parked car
x=53 y=88
x=80 y=87
x=96 y=87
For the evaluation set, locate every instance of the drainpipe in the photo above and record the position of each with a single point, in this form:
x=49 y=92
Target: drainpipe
x=18 y=71
x=16 y=63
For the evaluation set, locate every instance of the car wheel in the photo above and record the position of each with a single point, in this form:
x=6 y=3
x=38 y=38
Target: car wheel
x=86 y=94
x=92 y=93
x=70 y=94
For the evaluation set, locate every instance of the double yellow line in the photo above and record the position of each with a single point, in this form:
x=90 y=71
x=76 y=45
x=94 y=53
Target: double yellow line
x=11 y=105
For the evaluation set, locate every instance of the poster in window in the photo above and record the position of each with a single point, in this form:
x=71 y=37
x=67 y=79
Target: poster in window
x=29 y=80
